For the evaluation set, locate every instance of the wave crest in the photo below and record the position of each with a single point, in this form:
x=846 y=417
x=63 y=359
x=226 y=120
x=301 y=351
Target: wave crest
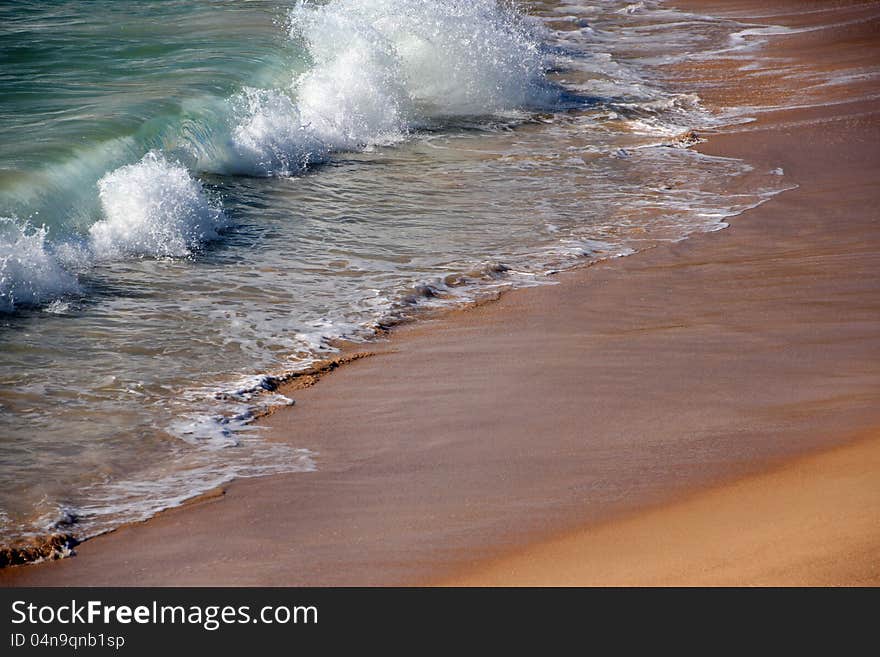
x=382 y=68
x=30 y=273
x=153 y=208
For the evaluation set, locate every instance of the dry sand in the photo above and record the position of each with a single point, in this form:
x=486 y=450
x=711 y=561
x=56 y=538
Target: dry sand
x=814 y=522
x=467 y=441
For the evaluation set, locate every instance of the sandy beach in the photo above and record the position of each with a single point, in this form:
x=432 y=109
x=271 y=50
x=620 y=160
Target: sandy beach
x=704 y=412
x=812 y=522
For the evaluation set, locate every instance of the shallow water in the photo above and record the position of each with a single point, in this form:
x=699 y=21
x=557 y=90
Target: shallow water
x=202 y=194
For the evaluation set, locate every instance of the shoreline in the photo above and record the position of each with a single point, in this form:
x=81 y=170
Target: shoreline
x=704 y=320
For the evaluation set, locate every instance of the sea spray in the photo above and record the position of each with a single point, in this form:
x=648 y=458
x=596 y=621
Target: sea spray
x=444 y=58
x=153 y=208
x=381 y=69
x=29 y=272
x=270 y=138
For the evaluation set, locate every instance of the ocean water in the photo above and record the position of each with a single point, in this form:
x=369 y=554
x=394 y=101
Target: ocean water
x=200 y=196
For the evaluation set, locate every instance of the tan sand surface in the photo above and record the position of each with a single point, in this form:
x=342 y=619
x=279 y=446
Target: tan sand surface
x=814 y=522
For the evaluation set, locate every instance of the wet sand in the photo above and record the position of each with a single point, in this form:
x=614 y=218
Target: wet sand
x=620 y=393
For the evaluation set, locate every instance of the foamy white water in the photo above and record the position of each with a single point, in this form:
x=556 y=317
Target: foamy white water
x=29 y=273
x=153 y=208
x=212 y=223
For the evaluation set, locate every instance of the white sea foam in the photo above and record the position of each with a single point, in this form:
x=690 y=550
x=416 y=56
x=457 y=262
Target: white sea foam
x=446 y=57
x=153 y=208
x=29 y=272
x=270 y=137
x=381 y=68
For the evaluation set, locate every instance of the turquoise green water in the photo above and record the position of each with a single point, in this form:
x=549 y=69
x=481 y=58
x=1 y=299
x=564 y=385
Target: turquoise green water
x=199 y=197
x=88 y=86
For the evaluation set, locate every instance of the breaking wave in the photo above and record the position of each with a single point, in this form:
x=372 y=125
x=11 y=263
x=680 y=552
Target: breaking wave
x=377 y=71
